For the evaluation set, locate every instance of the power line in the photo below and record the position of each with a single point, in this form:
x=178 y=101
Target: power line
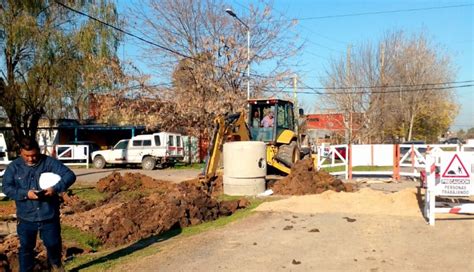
x=147 y=41
x=121 y=30
x=300 y=88
x=309 y=30
x=240 y=72
x=318 y=92
x=281 y=89
x=389 y=86
x=380 y=12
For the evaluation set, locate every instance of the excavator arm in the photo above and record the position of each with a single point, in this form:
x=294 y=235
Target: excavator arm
x=227 y=128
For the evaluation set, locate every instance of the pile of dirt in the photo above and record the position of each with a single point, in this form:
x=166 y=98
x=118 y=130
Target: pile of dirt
x=7 y=209
x=153 y=212
x=305 y=179
x=136 y=207
x=72 y=204
x=116 y=183
x=9 y=255
x=9 y=247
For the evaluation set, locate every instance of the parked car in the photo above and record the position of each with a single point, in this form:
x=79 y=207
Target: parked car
x=455 y=140
x=150 y=150
x=405 y=149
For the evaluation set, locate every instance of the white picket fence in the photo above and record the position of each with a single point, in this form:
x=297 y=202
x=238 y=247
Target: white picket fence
x=68 y=154
x=73 y=154
x=404 y=160
x=333 y=156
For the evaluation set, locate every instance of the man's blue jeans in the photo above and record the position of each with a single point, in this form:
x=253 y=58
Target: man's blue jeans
x=50 y=233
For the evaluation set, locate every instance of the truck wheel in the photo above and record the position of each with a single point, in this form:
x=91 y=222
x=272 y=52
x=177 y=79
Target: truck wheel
x=288 y=154
x=99 y=162
x=148 y=163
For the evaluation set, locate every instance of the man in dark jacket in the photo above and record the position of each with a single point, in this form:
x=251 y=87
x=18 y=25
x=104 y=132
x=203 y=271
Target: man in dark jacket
x=37 y=209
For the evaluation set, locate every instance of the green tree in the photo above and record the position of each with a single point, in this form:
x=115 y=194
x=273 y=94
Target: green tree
x=428 y=126
x=52 y=58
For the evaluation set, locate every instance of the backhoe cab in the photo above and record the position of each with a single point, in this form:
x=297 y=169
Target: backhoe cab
x=280 y=134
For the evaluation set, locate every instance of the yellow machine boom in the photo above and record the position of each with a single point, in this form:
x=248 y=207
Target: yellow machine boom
x=281 y=138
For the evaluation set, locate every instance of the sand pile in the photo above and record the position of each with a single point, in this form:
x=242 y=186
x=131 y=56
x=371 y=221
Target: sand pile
x=304 y=179
x=365 y=201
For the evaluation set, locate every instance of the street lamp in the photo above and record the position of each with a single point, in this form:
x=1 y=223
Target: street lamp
x=231 y=13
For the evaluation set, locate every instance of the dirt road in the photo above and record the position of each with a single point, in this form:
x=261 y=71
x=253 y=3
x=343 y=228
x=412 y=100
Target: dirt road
x=295 y=235
x=320 y=242
x=91 y=176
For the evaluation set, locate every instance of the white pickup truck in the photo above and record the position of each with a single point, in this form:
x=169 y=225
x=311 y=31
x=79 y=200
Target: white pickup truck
x=150 y=150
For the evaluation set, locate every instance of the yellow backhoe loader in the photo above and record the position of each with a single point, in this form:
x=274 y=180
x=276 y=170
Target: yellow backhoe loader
x=280 y=135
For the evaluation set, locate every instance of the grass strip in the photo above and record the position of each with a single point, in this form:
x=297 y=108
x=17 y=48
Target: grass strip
x=107 y=259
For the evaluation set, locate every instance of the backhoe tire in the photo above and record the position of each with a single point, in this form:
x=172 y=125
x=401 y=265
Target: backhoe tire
x=148 y=163
x=99 y=162
x=288 y=154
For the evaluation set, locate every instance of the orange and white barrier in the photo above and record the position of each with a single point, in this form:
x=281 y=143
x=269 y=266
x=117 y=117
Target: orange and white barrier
x=395 y=160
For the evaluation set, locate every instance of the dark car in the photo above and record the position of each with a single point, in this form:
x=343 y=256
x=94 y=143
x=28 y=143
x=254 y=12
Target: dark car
x=453 y=141
x=405 y=149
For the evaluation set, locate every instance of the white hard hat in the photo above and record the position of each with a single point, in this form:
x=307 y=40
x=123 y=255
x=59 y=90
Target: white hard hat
x=48 y=179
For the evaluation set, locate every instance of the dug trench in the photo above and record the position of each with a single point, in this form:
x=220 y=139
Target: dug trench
x=136 y=206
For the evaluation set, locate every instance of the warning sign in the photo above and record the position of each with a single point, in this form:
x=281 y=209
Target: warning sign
x=456 y=169
x=456 y=176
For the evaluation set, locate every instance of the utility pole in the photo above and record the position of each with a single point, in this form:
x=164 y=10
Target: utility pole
x=382 y=83
x=232 y=13
x=295 y=87
x=295 y=105
x=350 y=102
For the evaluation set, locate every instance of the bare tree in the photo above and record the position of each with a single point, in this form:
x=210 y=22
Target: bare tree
x=205 y=54
x=417 y=62
x=342 y=93
x=365 y=82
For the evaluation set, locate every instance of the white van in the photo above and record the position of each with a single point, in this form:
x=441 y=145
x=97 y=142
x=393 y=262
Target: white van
x=149 y=150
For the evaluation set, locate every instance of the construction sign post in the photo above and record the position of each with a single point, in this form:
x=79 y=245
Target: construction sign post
x=455 y=175
x=449 y=174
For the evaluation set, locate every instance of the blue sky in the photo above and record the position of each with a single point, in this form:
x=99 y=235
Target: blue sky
x=326 y=38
